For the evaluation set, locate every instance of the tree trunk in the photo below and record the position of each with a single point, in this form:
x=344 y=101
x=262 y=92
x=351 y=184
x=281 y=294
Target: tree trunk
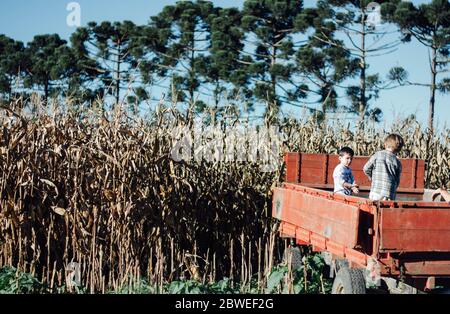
x=190 y=117
x=46 y=91
x=362 y=77
x=10 y=91
x=117 y=96
x=433 y=66
x=273 y=110
x=216 y=104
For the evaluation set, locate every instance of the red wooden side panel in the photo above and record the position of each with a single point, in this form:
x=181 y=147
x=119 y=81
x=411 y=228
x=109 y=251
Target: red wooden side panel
x=415 y=229
x=357 y=170
x=318 y=169
x=420 y=176
x=333 y=161
x=292 y=161
x=334 y=220
x=430 y=268
x=314 y=168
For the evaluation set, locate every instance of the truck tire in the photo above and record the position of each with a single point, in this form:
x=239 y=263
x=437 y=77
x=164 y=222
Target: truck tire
x=296 y=257
x=349 y=281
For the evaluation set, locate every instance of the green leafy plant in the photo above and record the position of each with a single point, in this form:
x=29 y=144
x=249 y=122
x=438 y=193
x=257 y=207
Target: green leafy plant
x=275 y=278
x=140 y=287
x=188 y=286
x=16 y=282
x=223 y=286
x=308 y=278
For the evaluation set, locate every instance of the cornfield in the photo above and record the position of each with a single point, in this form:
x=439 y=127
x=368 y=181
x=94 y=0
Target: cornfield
x=103 y=191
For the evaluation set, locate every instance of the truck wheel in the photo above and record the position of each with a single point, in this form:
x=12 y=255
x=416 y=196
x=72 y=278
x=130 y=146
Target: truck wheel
x=296 y=256
x=349 y=281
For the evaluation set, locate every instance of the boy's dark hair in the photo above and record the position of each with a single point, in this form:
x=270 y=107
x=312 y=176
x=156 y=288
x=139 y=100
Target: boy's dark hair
x=346 y=150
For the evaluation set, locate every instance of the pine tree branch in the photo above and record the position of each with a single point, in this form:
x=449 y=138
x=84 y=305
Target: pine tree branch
x=195 y=49
x=334 y=44
x=253 y=54
x=244 y=62
x=351 y=30
x=422 y=39
x=376 y=41
x=385 y=46
x=300 y=105
x=381 y=54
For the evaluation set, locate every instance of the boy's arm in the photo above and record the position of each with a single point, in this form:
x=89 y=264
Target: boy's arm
x=399 y=173
x=368 y=167
x=354 y=187
x=396 y=170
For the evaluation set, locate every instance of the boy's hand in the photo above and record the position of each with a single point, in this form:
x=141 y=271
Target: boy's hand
x=355 y=190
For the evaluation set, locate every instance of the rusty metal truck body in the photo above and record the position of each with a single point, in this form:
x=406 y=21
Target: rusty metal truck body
x=405 y=242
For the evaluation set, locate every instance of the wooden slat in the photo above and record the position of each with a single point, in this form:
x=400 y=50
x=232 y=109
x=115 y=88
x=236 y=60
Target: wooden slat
x=420 y=182
x=318 y=169
x=292 y=161
x=419 y=229
x=325 y=169
x=362 y=188
x=429 y=268
x=327 y=218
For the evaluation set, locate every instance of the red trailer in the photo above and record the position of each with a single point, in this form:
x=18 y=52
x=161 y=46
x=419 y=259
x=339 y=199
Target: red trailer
x=402 y=246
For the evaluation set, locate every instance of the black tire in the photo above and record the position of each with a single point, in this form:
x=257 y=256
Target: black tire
x=296 y=256
x=349 y=281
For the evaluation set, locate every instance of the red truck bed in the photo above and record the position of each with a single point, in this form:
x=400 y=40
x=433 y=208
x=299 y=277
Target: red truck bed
x=317 y=170
x=408 y=238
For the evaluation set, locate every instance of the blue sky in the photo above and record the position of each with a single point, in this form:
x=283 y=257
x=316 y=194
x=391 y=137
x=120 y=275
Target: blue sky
x=22 y=19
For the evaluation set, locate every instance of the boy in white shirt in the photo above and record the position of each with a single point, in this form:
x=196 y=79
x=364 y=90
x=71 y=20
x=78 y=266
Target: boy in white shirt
x=344 y=182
